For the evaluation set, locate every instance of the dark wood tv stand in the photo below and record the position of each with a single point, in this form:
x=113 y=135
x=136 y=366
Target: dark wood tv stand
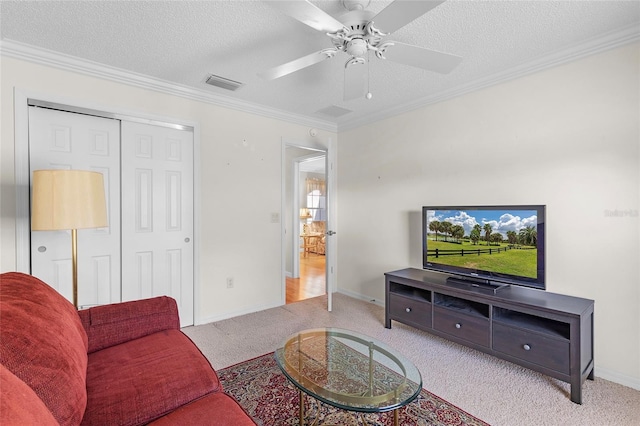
x=546 y=332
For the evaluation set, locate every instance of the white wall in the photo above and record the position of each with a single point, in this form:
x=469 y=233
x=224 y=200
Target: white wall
x=566 y=137
x=240 y=163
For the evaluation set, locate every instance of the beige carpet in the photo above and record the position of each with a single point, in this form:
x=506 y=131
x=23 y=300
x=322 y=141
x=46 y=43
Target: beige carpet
x=496 y=391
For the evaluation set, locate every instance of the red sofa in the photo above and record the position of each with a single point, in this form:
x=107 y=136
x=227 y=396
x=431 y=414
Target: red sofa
x=120 y=364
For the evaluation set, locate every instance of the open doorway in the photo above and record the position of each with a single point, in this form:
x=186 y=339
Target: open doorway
x=306 y=224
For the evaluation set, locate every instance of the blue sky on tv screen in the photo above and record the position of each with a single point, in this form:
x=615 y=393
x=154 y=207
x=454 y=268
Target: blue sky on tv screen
x=500 y=220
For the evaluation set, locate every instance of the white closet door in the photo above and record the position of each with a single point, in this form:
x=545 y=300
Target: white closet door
x=157 y=230
x=64 y=140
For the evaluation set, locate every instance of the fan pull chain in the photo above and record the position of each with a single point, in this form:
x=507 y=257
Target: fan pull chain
x=368 y=95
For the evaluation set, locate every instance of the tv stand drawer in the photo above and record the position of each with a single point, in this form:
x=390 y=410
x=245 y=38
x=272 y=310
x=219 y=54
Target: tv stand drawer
x=471 y=328
x=532 y=347
x=410 y=311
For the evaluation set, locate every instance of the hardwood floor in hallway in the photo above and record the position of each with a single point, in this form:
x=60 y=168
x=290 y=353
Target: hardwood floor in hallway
x=312 y=279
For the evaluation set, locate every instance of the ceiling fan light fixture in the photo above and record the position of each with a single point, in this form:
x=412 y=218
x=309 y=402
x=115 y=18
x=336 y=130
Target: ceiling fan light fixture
x=357 y=47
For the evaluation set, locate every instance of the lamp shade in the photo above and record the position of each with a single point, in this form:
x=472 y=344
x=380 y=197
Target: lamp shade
x=67 y=199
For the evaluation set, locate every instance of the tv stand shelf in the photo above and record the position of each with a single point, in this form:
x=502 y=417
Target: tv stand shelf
x=546 y=332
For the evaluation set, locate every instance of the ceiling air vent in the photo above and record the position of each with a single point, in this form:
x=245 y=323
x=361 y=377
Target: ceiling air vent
x=223 y=83
x=334 y=111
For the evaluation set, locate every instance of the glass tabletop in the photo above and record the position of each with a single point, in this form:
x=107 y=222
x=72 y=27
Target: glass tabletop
x=348 y=370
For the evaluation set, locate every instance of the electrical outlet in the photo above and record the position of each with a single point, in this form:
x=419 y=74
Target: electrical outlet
x=275 y=217
x=230 y=282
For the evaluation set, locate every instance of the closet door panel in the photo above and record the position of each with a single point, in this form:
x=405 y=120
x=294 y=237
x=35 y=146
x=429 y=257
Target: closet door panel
x=157 y=229
x=65 y=140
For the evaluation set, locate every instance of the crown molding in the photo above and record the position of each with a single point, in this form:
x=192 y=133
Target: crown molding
x=26 y=52
x=54 y=59
x=595 y=45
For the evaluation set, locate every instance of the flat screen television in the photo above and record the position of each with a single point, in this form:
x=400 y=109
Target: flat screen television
x=492 y=246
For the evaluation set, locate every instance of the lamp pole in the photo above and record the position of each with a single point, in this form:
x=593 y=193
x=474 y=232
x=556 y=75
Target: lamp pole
x=74 y=265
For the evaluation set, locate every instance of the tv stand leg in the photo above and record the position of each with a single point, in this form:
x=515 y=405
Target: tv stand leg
x=576 y=392
x=592 y=375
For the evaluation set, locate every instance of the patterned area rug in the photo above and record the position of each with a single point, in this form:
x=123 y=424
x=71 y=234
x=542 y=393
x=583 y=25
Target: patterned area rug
x=270 y=398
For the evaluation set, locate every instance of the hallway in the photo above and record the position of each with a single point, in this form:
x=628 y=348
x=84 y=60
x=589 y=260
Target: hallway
x=312 y=279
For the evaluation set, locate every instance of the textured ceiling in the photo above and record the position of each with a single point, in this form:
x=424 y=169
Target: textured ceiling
x=183 y=42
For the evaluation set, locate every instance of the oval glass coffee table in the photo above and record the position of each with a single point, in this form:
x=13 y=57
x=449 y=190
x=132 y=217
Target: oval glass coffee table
x=348 y=370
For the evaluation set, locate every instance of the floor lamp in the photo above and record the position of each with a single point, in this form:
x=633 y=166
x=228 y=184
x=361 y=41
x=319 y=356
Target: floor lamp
x=68 y=199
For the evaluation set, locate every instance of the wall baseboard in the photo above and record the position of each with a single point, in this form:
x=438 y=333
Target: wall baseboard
x=245 y=311
x=602 y=373
x=361 y=297
x=617 y=377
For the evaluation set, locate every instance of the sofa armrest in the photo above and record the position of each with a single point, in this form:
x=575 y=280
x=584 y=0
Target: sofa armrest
x=110 y=325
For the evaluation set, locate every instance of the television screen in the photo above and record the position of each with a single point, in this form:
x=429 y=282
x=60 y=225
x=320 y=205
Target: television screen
x=502 y=244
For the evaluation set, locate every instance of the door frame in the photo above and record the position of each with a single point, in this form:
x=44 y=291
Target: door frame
x=330 y=246
x=296 y=199
x=22 y=177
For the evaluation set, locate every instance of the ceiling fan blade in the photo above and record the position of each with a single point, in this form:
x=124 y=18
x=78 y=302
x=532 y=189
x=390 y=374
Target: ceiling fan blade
x=308 y=14
x=401 y=12
x=297 y=64
x=420 y=57
x=355 y=81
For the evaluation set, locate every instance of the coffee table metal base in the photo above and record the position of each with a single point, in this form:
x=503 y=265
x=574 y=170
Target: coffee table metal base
x=301 y=407
x=301 y=411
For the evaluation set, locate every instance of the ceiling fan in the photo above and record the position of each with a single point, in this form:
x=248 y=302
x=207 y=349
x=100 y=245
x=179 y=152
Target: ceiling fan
x=358 y=32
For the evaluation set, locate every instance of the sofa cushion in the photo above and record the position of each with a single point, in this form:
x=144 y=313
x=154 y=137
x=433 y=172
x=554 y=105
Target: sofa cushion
x=44 y=344
x=143 y=379
x=19 y=404
x=211 y=410
x=117 y=323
